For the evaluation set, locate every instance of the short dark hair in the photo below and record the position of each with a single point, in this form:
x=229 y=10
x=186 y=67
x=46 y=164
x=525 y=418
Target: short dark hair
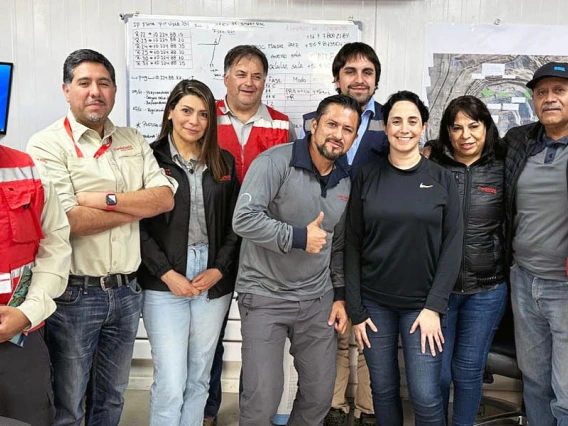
x=242 y=51
x=77 y=57
x=405 y=95
x=347 y=102
x=476 y=110
x=352 y=51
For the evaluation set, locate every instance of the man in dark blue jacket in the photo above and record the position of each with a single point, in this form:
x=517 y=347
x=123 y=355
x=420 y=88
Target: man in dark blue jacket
x=356 y=72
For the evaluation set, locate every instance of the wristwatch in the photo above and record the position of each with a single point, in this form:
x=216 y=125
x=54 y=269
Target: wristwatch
x=111 y=201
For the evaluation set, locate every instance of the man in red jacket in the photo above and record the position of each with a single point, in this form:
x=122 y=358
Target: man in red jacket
x=246 y=126
x=34 y=239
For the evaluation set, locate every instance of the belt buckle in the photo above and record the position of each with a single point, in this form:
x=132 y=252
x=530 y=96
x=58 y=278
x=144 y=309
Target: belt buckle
x=102 y=282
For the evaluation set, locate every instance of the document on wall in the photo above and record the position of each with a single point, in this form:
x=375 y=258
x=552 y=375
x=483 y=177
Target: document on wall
x=18 y=298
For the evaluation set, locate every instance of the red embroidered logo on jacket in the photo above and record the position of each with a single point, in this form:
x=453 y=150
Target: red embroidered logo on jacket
x=168 y=172
x=124 y=148
x=487 y=189
x=226 y=177
x=343 y=197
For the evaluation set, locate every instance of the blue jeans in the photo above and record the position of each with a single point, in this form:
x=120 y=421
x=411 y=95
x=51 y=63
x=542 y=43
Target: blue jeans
x=472 y=321
x=90 y=339
x=183 y=334
x=540 y=309
x=423 y=371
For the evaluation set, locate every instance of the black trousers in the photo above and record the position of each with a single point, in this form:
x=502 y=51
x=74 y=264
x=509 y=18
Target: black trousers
x=25 y=381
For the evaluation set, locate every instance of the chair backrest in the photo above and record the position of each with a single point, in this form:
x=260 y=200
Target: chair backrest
x=502 y=359
x=4 y=421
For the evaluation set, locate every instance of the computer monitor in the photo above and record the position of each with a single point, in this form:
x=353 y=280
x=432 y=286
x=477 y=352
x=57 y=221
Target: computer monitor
x=6 y=71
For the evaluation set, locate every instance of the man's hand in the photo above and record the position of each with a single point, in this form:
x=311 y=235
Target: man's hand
x=430 y=330
x=317 y=237
x=360 y=331
x=179 y=285
x=12 y=321
x=207 y=279
x=338 y=316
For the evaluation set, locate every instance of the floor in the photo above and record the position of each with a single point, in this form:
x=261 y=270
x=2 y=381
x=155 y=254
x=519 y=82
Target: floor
x=136 y=410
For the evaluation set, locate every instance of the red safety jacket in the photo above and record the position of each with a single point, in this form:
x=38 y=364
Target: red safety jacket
x=21 y=205
x=264 y=134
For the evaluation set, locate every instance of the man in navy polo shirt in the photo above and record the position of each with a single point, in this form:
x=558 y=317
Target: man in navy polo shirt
x=537 y=246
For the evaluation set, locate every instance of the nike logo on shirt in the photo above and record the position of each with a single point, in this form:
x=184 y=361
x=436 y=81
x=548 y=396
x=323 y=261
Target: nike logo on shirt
x=425 y=186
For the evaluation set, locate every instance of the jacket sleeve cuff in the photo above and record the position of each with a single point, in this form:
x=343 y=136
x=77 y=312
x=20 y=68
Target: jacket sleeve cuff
x=359 y=317
x=299 y=238
x=338 y=293
x=162 y=270
x=221 y=269
x=437 y=304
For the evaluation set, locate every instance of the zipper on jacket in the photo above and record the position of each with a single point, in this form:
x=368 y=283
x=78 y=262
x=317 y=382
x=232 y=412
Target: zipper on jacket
x=466 y=199
x=242 y=160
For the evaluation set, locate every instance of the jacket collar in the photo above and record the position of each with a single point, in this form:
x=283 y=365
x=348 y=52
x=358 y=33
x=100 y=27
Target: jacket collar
x=302 y=159
x=162 y=150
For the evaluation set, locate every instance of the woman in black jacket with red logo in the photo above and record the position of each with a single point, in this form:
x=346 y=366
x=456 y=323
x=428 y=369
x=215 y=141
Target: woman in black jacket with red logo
x=469 y=146
x=189 y=257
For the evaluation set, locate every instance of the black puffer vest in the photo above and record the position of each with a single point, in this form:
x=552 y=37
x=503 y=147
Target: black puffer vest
x=481 y=190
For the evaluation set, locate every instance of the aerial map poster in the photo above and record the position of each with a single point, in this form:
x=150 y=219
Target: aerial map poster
x=490 y=62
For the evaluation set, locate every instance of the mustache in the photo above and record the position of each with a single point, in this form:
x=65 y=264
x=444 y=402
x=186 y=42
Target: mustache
x=96 y=101
x=334 y=140
x=550 y=107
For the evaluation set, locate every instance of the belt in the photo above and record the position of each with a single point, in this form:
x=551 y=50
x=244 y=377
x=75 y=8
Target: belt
x=108 y=281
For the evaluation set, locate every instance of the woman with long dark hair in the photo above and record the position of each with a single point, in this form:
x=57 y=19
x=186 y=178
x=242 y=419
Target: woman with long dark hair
x=402 y=253
x=469 y=146
x=189 y=257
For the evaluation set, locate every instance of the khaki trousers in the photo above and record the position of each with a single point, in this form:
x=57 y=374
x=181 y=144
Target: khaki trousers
x=363 y=398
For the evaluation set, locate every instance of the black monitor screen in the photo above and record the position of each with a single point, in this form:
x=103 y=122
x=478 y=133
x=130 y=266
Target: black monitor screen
x=6 y=70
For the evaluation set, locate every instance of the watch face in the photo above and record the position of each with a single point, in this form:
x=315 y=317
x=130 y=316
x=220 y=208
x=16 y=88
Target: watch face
x=111 y=199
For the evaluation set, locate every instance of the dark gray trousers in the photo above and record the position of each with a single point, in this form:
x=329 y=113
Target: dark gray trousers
x=25 y=382
x=265 y=324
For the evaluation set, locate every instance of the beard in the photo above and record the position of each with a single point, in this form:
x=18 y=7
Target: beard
x=95 y=118
x=332 y=156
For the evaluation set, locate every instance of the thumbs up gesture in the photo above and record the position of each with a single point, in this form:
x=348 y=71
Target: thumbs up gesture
x=317 y=237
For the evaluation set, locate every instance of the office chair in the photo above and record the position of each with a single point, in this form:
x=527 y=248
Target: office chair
x=4 y=421
x=502 y=360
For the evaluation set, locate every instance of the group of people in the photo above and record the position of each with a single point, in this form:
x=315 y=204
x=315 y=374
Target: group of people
x=349 y=229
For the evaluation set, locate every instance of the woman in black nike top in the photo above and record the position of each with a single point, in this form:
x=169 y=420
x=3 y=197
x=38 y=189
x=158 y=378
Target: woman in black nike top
x=469 y=146
x=403 y=251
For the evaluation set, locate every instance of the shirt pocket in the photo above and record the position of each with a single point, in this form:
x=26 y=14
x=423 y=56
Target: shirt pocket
x=90 y=174
x=24 y=223
x=131 y=166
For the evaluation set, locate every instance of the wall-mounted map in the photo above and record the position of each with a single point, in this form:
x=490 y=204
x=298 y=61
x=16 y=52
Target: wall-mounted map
x=498 y=80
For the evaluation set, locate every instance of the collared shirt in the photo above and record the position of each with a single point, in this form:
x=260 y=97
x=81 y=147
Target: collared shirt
x=197 y=232
x=541 y=234
x=243 y=129
x=366 y=115
x=128 y=165
x=551 y=146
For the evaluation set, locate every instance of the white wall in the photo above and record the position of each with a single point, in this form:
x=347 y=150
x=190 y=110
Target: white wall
x=37 y=35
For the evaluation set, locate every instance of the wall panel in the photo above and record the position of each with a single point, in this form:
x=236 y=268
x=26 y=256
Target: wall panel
x=38 y=34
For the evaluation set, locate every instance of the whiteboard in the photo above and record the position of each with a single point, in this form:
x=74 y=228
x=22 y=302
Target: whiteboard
x=162 y=50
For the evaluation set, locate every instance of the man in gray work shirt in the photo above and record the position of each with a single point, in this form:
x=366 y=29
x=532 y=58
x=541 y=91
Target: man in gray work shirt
x=537 y=243
x=291 y=214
